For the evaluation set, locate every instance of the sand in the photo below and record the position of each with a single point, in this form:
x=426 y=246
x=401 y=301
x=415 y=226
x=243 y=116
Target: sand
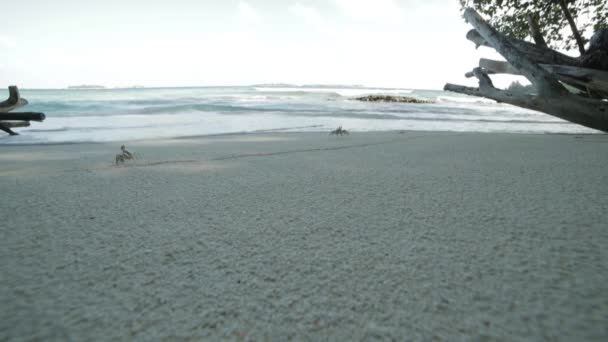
x=412 y=236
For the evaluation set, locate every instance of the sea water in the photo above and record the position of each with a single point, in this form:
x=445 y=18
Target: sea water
x=99 y=115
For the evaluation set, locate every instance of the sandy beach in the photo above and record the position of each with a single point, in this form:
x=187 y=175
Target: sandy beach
x=403 y=236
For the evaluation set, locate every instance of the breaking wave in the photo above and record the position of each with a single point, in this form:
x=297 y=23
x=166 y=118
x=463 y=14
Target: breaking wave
x=126 y=114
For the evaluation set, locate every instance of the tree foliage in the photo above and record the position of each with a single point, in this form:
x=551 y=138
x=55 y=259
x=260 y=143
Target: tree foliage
x=511 y=18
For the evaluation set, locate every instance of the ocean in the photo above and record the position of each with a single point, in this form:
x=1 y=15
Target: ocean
x=102 y=115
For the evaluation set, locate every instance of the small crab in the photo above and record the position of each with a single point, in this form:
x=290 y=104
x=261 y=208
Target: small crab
x=339 y=131
x=124 y=156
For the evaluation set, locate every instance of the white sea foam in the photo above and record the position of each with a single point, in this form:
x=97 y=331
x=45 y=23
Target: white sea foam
x=118 y=115
x=464 y=99
x=347 y=92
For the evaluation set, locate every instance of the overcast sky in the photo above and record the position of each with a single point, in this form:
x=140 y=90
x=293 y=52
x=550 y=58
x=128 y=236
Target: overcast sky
x=383 y=43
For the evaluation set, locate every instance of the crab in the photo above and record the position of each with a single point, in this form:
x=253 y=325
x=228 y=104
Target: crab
x=339 y=131
x=124 y=156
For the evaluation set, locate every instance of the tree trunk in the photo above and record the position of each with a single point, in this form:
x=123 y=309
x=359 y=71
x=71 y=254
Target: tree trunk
x=586 y=112
x=575 y=32
x=537 y=75
x=535 y=31
x=552 y=97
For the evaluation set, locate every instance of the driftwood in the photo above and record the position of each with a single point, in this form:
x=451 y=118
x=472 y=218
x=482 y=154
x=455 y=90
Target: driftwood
x=544 y=68
x=574 y=76
x=7 y=120
x=24 y=116
x=535 y=53
x=14 y=100
x=15 y=124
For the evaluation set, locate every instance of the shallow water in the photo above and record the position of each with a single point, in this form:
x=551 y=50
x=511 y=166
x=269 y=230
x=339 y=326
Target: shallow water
x=97 y=115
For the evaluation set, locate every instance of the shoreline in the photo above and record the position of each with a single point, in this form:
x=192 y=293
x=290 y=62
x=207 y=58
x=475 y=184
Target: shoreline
x=283 y=131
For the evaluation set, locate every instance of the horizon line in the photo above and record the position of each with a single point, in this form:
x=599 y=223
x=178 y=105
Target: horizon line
x=84 y=87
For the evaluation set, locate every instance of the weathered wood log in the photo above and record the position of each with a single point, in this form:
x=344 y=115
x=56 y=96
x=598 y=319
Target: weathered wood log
x=589 y=79
x=7 y=129
x=492 y=67
x=587 y=112
x=25 y=116
x=599 y=40
x=497 y=67
x=15 y=124
x=484 y=80
x=527 y=66
x=596 y=56
x=14 y=100
x=23 y=119
x=535 y=53
x=502 y=96
x=552 y=97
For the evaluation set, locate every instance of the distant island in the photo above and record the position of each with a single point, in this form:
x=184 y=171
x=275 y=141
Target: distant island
x=86 y=86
